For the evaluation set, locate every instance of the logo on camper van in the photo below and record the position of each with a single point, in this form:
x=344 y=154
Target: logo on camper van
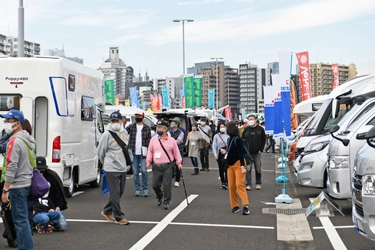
x=16 y=79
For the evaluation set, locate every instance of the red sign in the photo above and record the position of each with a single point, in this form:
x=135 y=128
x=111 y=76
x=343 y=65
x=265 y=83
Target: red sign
x=304 y=74
x=228 y=113
x=335 y=71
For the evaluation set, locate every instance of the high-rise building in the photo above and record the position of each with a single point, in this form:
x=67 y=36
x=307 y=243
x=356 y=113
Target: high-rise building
x=9 y=46
x=61 y=53
x=252 y=80
x=274 y=67
x=198 y=66
x=115 y=68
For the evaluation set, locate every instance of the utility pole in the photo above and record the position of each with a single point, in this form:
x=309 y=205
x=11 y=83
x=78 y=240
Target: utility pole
x=21 y=30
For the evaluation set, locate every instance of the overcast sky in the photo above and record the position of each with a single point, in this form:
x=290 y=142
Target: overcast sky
x=240 y=31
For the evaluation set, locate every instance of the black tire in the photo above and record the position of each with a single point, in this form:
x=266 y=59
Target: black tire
x=96 y=183
x=70 y=190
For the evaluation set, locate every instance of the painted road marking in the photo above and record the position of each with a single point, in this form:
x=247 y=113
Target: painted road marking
x=145 y=240
x=337 y=227
x=331 y=232
x=77 y=193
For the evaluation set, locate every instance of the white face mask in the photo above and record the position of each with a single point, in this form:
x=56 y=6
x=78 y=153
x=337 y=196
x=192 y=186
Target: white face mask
x=8 y=127
x=251 y=122
x=222 y=130
x=194 y=128
x=203 y=123
x=116 y=126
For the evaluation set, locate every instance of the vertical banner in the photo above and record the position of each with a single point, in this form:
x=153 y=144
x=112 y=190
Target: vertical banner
x=134 y=97
x=165 y=94
x=198 y=91
x=285 y=70
x=228 y=113
x=293 y=102
x=304 y=74
x=154 y=103
x=109 y=88
x=127 y=102
x=278 y=126
x=335 y=71
x=269 y=112
x=285 y=107
x=211 y=98
x=189 y=91
x=117 y=101
x=160 y=102
x=144 y=105
x=182 y=98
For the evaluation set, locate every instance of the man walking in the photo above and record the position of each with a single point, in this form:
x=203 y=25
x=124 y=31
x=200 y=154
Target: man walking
x=204 y=143
x=19 y=172
x=111 y=155
x=163 y=151
x=256 y=138
x=177 y=134
x=139 y=138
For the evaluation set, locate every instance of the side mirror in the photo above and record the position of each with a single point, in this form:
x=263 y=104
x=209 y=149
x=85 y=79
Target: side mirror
x=371 y=133
x=362 y=132
x=334 y=129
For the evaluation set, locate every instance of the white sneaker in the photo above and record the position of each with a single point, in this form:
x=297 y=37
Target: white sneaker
x=176 y=184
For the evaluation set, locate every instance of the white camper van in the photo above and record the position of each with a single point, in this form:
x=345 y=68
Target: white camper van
x=60 y=98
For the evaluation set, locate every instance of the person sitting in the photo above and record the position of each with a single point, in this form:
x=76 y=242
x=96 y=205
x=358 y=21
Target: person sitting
x=57 y=193
x=45 y=214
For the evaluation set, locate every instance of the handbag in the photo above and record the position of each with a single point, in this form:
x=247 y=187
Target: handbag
x=105 y=187
x=39 y=185
x=127 y=152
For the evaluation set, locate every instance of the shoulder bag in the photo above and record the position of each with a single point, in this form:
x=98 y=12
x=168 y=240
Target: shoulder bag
x=127 y=152
x=165 y=151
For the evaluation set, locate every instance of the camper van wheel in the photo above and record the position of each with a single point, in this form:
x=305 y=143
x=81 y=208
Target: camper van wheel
x=96 y=183
x=70 y=190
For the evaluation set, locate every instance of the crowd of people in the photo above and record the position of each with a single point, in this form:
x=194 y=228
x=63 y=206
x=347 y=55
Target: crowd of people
x=163 y=153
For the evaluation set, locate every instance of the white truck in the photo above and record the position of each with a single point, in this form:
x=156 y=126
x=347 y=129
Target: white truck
x=60 y=98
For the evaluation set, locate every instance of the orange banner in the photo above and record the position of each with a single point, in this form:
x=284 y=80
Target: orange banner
x=293 y=103
x=304 y=74
x=335 y=71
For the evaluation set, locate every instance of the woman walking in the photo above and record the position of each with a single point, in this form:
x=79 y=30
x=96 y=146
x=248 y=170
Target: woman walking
x=220 y=141
x=193 y=143
x=236 y=170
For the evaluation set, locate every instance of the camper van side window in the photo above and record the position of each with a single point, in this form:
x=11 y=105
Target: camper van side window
x=87 y=108
x=72 y=83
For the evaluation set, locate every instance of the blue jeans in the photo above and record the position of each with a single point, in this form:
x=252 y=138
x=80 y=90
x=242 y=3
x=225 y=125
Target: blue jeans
x=18 y=199
x=43 y=218
x=139 y=165
x=62 y=224
x=194 y=161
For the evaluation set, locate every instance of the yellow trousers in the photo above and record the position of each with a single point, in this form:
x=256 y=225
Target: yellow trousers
x=236 y=185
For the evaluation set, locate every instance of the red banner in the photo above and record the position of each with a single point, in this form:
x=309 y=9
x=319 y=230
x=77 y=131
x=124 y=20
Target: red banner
x=335 y=71
x=228 y=113
x=304 y=74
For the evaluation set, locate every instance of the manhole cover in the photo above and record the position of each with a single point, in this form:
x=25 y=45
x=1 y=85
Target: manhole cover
x=283 y=211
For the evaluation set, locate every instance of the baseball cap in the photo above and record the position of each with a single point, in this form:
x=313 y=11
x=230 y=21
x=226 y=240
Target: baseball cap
x=41 y=162
x=14 y=114
x=203 y=119
x=176 y=120
x=162 y=123
x=140 y=113
x=115 y=116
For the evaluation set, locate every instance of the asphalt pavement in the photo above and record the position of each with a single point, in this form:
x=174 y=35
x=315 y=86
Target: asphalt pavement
x=207 y=222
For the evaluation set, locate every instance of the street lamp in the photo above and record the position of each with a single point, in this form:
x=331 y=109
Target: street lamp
x=183 y=39
x=217 y=80
x=21 y=30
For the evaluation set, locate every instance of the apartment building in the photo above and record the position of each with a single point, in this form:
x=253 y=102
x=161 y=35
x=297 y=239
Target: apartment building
x=9 y=46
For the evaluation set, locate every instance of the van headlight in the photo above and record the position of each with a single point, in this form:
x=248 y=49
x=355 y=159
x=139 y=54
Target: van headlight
x=316 y=147
x=339 y=162
x=368 y=185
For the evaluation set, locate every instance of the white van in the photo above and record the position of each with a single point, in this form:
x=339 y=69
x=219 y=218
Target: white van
x=60 y=99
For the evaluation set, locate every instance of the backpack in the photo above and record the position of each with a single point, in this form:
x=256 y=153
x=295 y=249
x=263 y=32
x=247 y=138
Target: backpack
x=249 y=159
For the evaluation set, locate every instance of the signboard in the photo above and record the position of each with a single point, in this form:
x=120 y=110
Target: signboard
x=109 y=87
x=318 y=200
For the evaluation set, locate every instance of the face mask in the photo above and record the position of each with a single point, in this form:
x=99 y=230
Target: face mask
x=160 y=133
x=8 y=127
x=138 y=119
x=203 y=123
x=116 y=126
x=194 y=128
x=251 y=122
x=222 y=130
x=173 y=125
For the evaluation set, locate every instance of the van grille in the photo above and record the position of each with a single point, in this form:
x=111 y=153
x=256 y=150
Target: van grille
x=359 y=209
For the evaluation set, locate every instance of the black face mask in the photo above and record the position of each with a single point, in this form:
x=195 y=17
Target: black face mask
x=138 y=119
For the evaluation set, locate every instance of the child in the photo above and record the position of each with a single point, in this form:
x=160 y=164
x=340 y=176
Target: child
x=45 y=215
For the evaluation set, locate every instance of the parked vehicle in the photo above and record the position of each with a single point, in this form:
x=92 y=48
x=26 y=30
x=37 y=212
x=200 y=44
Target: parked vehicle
x=341 y=107
x=363 y=188
x=61 y=99
x=342 y=150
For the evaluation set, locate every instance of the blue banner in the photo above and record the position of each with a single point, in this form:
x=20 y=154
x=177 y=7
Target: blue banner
x=269 y=117
x=164 y=93
x=182 y=94
x=211 y=98
x=278 y=127
x=285 y=107
x=134 y=97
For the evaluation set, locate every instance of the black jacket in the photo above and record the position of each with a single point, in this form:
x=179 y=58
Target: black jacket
x=235 y=152
x=256 y=137
x=57 y=193
x=43 y=204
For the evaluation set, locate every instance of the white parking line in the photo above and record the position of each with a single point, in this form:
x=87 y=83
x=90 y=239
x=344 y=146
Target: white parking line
x=77 y=193
x=337 y=227
x=145 y=240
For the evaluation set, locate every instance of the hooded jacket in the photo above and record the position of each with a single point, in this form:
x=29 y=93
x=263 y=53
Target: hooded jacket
x=19 y=170
x=109 y=151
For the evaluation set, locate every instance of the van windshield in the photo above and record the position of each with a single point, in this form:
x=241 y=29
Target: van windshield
x=318 y=117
